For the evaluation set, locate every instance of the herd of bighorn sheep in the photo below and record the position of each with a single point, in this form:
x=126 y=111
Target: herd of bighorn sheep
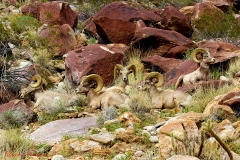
x=100 y=96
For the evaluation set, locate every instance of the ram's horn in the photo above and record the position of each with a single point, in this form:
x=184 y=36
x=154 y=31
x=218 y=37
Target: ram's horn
x=133 y=68
x=196 y=51
x=94 y=77
x=117 y=67
x=36 y=81
x=157 y=75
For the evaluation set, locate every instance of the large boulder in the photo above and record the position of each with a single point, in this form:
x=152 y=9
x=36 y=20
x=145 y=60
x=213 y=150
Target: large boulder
x=161 y=41
x=173 y=19
x=21 y=113
x=122 y=20
x=54 y=131
x=224 y=106
x=57 y=13
x=59 y=37
x=93 y=59
x=174 y=135
x=163 y=64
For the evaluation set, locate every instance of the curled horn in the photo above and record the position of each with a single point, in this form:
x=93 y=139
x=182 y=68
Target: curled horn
x=36 y=81
x=94 y=77
x=157 y=75
x=133 y=68
x=196 y=51
x=117 y=67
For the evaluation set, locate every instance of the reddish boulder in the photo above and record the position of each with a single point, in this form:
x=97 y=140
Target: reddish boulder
x=61 y=38
x=93 y=59
x=221 y=4
x=23 y=114
x=57 y=13
x=161 y=41
x=174 y=20
x=221 y=51
x=184 y=68
x=31 y=9
x=122 y=20
x=201 y=8
x=164 y=64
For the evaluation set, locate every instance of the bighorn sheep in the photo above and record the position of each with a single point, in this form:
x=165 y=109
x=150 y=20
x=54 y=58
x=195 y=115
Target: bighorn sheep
x=167 y=99
x=124 y=71
x=202 y=73
x=92 y=85
x=37 y=84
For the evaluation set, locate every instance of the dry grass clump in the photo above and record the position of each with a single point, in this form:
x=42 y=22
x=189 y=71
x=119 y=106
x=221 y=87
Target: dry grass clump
x=13 y=145
x=233 y=67
x=201 y=97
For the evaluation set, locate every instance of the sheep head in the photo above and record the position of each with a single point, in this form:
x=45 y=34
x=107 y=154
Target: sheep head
x=152 y=79
x=201 y=55
x=37 y=83
x=92 y=81
x=124 y=71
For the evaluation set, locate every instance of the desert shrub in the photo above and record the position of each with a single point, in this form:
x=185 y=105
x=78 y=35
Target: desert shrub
x=11 y=119
x=211 y=25
x=201 y=97
x=12 y=143
x=106 y=114
x=233 y=67
x=24 y=23
x=4 y=33
x=176 y=3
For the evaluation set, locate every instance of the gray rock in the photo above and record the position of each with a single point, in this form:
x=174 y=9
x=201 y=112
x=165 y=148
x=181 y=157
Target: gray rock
x=53 y=132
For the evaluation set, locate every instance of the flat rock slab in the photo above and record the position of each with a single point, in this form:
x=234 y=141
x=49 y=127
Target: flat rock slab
x=53 y=132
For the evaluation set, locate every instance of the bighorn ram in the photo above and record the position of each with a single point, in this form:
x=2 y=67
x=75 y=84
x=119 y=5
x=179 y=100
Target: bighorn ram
x=92 y=85
x=124 y=71
x=203 y=57
x=167 y=99
x=37 y=84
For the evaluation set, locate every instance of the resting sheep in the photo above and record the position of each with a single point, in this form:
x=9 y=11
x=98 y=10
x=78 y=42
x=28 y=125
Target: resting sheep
x=202 y=73
x=167 y=99
x=37 y=84
x=92 y=86
x=123 y=71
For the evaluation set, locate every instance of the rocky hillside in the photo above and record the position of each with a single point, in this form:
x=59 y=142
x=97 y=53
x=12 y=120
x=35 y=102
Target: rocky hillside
x=126 y=59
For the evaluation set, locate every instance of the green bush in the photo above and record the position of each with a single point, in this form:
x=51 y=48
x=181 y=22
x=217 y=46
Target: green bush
x=211 y=25
x=24 y=23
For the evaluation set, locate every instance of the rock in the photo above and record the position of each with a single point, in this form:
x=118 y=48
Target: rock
x=31 y=9
x=57 y=13
x=53 y=132
x=128 y=119
x=84 y=146
x=122 y=20
x=163 y=64
x=104 y=138
x=7 y=94
x=223 y=106
x=182 y=157
x=21 y=113
x=221 y=4
x=174 y=20
x=221 y=51
x=58 y=157
x=119 y=157
x=183 y=68
x=224 y=130
x=61 y=38
x=200 y=8
x=95 y=58
x=177 y=128
x=161 y=41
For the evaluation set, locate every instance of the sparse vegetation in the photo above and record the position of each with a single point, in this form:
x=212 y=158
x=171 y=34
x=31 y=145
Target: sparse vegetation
x=212 y=26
